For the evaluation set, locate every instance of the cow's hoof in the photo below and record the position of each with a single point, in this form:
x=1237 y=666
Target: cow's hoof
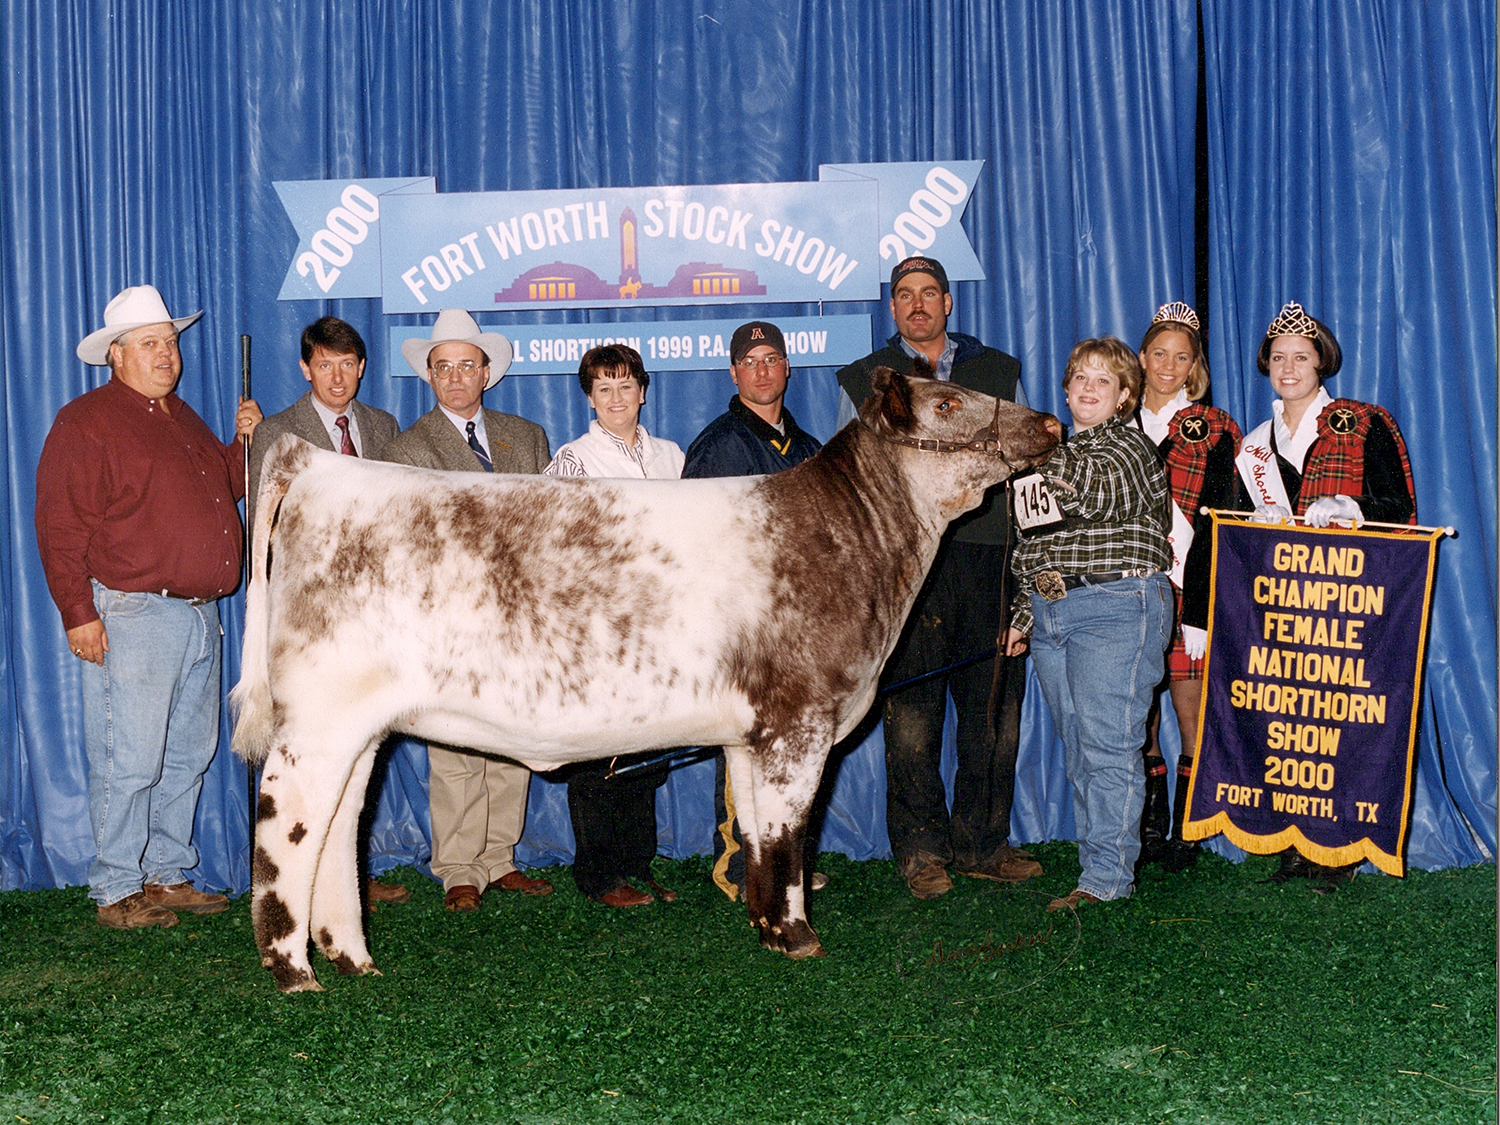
x=348 y=968
x=795 y=939
x=289 y=977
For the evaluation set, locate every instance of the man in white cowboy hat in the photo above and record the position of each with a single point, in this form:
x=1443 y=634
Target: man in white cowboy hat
x=478 y=804
x=139 y=537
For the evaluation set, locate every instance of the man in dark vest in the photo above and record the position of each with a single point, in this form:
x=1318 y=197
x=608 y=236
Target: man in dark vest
x=957 y=617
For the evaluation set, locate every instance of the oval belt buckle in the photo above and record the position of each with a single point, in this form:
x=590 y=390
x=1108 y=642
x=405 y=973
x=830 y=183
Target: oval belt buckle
x=1049 y=584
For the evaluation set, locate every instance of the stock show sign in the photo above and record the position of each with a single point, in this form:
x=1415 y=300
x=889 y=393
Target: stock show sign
x=679 y=345
x=1310 y=693
x=830 y=240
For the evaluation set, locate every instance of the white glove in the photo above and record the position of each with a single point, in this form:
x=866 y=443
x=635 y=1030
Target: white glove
x=1194 y=641
x=1320 y=513
x=1269 y=513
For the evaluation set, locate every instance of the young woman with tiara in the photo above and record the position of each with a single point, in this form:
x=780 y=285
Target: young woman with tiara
x=1333 y=459
x=1196 y=445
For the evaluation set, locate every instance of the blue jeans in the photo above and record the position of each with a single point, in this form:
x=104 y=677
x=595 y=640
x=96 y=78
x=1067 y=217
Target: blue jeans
x=151 y=727
x=1098 y=658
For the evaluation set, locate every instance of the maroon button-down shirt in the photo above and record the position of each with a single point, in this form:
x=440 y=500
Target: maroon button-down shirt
x=138 y=498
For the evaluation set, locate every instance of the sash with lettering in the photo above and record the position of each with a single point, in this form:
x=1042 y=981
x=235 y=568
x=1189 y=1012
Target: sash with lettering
x=1309 y=721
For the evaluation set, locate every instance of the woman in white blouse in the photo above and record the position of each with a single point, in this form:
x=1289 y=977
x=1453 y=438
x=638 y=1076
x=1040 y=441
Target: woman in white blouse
x=614 y=817
x=616 y=445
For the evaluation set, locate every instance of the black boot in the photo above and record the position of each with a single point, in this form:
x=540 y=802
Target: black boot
x=1154 y=814
x=1326 y=880
x=1180 y=854
x=1293 y=865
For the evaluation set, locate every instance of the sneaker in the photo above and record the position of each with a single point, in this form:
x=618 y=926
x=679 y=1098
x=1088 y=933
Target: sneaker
x=182 y=896
x=926 y=876
x=818 y=881
x=135 y=913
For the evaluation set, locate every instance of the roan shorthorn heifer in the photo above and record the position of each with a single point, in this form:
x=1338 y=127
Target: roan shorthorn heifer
x=558 y=620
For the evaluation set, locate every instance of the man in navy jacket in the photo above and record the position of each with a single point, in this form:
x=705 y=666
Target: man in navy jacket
x=757 y=434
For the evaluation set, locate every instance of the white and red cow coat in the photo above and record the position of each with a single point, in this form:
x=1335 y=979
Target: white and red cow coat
x=553 y=620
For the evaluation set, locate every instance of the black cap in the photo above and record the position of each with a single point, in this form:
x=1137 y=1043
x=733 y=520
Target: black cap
x=753 y=335
x=920 y=265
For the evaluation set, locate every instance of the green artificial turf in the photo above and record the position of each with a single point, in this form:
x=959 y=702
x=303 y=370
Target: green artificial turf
x=1206 y=998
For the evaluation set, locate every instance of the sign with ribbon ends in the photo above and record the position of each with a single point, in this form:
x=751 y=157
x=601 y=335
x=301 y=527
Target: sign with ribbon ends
x=1309 y=720
x=419 y=250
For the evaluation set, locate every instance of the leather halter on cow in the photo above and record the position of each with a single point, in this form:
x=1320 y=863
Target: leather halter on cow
x=555 y=620
x=986 y=440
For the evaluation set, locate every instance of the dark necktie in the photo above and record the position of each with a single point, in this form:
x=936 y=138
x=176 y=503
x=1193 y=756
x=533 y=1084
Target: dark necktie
x=484 y=458
x=346 y=443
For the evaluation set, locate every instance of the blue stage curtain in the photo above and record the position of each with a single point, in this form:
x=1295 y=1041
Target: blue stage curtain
x=141 y=141
x=1351 y=167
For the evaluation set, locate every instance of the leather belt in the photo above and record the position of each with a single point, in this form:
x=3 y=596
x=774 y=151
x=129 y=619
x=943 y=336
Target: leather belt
x=1054 y=585
x=187 y=598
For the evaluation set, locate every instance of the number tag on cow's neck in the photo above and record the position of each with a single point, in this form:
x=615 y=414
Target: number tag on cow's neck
x=1035 y=507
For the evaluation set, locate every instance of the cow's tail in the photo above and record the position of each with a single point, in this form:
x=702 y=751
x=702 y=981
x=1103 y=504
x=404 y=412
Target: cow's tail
x=251 y=698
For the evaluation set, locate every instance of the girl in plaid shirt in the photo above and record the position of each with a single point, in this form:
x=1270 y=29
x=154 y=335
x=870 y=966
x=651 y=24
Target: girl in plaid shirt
x=1096 y=603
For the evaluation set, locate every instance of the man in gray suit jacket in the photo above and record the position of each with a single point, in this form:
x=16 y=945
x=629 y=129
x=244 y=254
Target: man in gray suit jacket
x=333 y=361
x=478 y=804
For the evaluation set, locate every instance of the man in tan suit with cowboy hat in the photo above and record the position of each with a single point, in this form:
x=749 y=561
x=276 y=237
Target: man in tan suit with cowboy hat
x=478 y=804
x=139 y=536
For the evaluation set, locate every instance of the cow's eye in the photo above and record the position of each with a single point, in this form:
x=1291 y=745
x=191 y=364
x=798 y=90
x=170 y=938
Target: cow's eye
x=945 y=406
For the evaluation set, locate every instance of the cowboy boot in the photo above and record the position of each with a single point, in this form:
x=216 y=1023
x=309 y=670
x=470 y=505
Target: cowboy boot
x=1154 y=814
x=1326 y=880
x=1180 y=854
x=1292 y=865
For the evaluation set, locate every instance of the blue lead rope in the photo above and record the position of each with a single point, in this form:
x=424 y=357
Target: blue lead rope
x=675 y=758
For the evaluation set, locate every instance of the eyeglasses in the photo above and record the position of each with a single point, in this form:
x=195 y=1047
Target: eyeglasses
x=442 y=368
x=770 y=362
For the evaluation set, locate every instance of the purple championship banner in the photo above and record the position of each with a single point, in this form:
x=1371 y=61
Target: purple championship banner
x=1309 y=718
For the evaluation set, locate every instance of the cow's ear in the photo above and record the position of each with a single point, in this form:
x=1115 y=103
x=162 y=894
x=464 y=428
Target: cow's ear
x=891 y=403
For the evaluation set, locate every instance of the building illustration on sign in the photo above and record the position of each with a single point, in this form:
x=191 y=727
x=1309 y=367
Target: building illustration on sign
x=564 y=281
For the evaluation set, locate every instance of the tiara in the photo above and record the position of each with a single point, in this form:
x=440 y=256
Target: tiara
x=1293 y=320
x=1178 y=313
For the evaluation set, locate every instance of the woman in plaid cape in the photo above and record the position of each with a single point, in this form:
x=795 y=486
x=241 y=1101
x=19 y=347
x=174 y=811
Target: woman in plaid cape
x=1196 y=445
x=1322 y=458
x=1334 y=458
